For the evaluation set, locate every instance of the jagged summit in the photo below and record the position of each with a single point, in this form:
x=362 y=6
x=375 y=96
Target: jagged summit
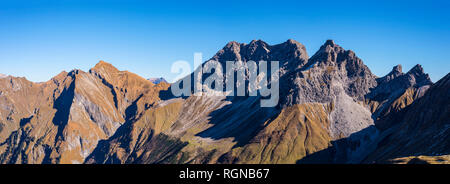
x=396 y=72
x=331 y=52
x=415 y=75
x=290 y=43
x=330 y=111
x=258 y=42
x=330 y=43
x=416 y=70
x=420 y=77
x=258 y=48
x=291 y=54
x=232 y=44
x=422 y=130
x=329 y=46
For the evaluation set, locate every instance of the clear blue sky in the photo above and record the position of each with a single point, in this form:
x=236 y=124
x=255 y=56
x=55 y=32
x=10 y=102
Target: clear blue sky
x=39 y=39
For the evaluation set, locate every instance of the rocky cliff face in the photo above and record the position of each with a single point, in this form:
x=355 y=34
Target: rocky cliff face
x=332 y=110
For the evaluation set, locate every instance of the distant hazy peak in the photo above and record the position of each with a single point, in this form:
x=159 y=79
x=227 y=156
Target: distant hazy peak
x=397 y=69
x=2 y=76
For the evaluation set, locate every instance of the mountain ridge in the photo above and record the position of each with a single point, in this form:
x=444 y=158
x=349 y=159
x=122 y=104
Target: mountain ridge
x=330 y=101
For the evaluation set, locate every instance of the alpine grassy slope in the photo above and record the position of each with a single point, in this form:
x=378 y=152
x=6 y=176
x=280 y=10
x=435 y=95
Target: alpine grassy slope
x=332 y=109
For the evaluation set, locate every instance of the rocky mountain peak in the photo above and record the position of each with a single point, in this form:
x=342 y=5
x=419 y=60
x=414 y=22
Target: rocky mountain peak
x=329 y=112
x=233 y=45
x=418 y=76
x=105 y=71
x=445 y=81
x=59 y=78
x=2 y=76
x=331 y=47
x=292 y=41
x=396 y=82
x=292 y=44
x=396 y=72
x=258 y=42
x=331 y=52
x=258 y=48
x=417 y=70
x=157 y=80
x=423 y=125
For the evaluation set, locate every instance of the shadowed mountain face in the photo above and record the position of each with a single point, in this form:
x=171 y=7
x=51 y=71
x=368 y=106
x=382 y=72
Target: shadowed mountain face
x=332 y=109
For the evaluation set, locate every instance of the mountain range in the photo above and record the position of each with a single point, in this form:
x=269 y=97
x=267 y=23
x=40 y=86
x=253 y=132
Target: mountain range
x=332 y=109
